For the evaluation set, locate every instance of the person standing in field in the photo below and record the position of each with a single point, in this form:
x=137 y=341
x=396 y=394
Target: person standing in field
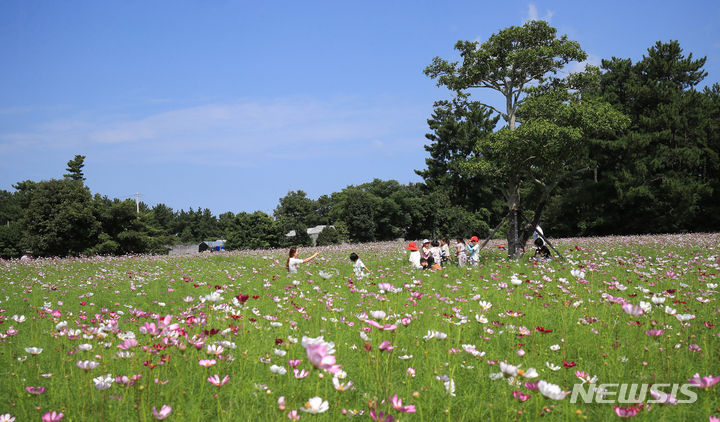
x=414 y=256
x=436 y=254
x=444 y=250
x=293 y=262
x=474 y=249
x=461 y=251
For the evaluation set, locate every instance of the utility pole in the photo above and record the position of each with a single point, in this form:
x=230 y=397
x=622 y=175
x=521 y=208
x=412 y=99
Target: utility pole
x=137 y=202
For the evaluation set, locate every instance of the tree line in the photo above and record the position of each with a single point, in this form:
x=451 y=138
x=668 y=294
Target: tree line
x=623 y=148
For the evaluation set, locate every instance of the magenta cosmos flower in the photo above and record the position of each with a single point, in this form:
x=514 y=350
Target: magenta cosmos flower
x=520 y=396
x=704 y=382
x=626 y=412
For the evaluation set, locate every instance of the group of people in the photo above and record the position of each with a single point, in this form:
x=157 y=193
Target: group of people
x=437 y=253
x=431 y=255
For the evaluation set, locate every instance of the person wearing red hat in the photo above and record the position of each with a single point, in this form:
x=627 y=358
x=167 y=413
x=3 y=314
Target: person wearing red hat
x=473 y=248
x=414 y=256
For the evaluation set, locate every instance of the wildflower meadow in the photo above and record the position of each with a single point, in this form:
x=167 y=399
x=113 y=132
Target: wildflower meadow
x=623 y=327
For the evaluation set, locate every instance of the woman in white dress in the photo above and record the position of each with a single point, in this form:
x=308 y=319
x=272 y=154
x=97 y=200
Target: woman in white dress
x=293 y=262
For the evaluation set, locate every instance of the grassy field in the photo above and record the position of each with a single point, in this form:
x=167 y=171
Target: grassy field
x=231 y=336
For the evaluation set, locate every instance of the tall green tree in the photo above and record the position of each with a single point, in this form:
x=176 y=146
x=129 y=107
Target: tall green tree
x=455 y=130
x=59 y=219
x=74 y=169
x=518 y=63
x=660 y=175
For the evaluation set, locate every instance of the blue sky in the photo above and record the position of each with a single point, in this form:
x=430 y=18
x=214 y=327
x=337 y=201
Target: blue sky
x=229 y=105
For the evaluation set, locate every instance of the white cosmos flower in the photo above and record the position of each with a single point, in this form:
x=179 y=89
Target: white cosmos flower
x=551 y=391
x=552 y=367
x=275 y=369
x=450 y=387
x=515 y=280
x=646 y=307
x=103 y=382
x=657 y=299
x=33 y=350
x=85 y=347
x=435 y=334
x=482 y=319
x=684 y=317
x=578 y=273
x=485 y=305
x=329 y=345
x=669 y=310
x=280 y=352
x=60 y=325
x=508 y=370
x=18 y=318
x=555 y=347
x=378 y=314
x=315 y=405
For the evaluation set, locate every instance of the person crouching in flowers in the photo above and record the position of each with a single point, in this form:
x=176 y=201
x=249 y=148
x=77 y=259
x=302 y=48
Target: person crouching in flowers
x=293 y=262
x=414 y=256
x=358 y=267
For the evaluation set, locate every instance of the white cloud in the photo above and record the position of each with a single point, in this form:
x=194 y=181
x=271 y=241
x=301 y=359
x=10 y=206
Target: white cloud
x=576 y=67
x=534 y=15
x=243 y=133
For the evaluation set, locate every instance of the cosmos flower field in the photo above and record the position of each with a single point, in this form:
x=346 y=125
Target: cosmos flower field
x=230 y=336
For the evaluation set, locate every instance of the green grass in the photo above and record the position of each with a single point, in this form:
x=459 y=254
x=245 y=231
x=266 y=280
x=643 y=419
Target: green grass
x=591 y=331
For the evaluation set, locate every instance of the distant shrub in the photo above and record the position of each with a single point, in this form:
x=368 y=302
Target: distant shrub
x=328 y=236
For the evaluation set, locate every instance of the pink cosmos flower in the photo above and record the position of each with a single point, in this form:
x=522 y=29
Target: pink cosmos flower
x=149 y=328
x=164 y=412
x=35 y=390
x=293 y=415
x=626 y=412
x=215 y=380
x=7 y=418
x=52 y=416
x=300 y=373
x=293 y=363
x=319 y=356
x=633 y=310
x=387 y=346
x=533 y=386
x=520 y=396
x=207 y=362
x=704 y=382
x=397 y=404
x=128 y=344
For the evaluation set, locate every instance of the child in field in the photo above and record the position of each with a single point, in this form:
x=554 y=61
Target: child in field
x=358 y=267
x=461 y=252
x=414 y=256
x=436 y=254
x=425 y=250
x=541 y=251
x=444 y=251
x=473 y=248
x=293 y=262
x=424 y=264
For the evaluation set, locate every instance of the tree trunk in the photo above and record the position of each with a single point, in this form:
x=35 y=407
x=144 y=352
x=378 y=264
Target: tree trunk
x=513 y=198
